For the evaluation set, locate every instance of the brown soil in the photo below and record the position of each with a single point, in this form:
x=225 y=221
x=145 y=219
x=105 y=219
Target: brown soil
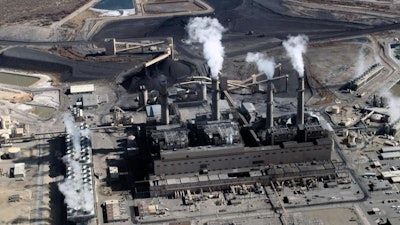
x=16 y=97
x=41 y=12
x=77 y=21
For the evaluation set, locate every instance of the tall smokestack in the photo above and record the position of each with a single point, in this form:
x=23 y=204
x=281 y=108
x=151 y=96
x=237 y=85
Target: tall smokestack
x=144 y=96
x=287 y=81
x=300 y=101
x=203 y=91
x=215 y=97
x=164 y=103
x=270 y=103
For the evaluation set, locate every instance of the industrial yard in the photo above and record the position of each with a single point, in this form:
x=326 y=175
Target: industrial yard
x=201 y=112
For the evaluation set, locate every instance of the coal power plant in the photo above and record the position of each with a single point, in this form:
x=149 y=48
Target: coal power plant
x=200 y=112
x=216 y=144
x=178 y=130
x=195 y=137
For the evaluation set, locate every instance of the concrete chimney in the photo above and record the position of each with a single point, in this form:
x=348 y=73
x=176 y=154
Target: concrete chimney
x=287 y=83
x=144 y=96
x=215 y=98
x=300 y=102
x=164 y=103
x=270 y=105
x=203 y=91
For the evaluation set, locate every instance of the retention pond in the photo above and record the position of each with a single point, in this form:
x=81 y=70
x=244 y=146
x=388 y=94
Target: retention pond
x=17 y=79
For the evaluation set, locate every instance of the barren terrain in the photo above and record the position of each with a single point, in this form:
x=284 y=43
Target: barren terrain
x=359 y=11
x=38 y=12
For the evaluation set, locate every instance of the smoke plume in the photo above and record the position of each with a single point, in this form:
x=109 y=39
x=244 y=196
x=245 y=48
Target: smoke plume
x=295 y=47
x=77 y=194
x=265 y=64
x=360 y=62
x=393 y=105
x=74 y=133
x=208 y=31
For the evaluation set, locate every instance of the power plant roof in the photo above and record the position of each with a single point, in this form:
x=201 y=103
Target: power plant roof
x=76 y=89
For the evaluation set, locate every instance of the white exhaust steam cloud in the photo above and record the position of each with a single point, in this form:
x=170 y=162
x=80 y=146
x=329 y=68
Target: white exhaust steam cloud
x=362 y=60
x=295 y=47
x=77 y=195
x=208 y=31
x=265 y=64
x=73 y=131
x=360 y=66
x=393 y=105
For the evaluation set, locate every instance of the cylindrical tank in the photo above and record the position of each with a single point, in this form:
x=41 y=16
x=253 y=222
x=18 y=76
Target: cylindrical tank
x=14 y=152
x=345 y=132
x=335 y=109
x=352 y=137
x=376 y=117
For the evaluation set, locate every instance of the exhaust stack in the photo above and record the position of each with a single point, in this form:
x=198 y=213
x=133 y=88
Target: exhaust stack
x=270 y=103
x=164 y=103
x=203 y=91
x=144 y=96
x=300 y=102
x=215 y=98
x=287 y=82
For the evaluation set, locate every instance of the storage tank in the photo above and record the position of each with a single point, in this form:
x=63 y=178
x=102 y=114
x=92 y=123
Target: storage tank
x=335 y=109
x=376 y=117
x=14 y=152
x=345 y=132
x=351 y=139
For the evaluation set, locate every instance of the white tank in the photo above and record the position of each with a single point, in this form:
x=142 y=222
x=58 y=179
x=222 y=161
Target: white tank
x=14 y=152
x=376 y=117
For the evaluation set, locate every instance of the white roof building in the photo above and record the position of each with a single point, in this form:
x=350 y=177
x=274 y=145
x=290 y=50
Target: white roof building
x=19 y=170
x=389 y=174
x=390 y=155
x=85 y=88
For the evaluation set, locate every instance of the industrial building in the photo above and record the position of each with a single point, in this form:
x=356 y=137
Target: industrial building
x=197 y=159
x=365 y=77
x=19 y=170
x=112 y=210
x=168 y=185
x=80 y=89
x=209 y=150
x=89 y=101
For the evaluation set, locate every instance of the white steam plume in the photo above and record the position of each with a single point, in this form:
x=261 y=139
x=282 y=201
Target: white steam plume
x=393 y=105
x=265 y=64
x=295 y=47
x=360 y=62
x=208 y=31
x=74 y=133
x=377 y=58
x=77 y=194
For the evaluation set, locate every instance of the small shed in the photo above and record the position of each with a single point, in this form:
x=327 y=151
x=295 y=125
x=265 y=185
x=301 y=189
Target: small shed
x=19 y=170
